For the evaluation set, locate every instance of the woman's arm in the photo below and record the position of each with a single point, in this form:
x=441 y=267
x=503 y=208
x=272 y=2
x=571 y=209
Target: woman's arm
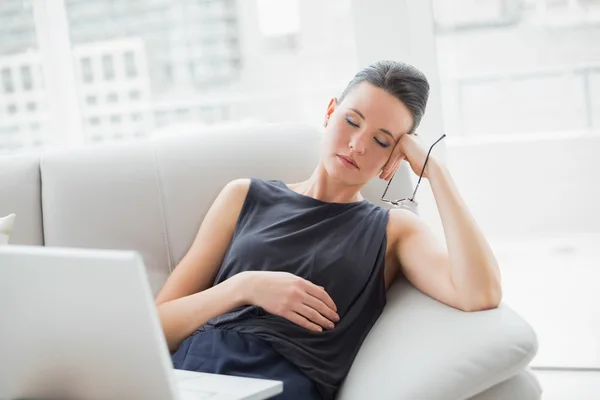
x=466 y=275
x=182 y=316
x=185 y=302
x=474 y=267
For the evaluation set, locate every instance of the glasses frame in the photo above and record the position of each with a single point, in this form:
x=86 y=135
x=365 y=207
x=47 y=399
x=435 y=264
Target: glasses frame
x=409 y=202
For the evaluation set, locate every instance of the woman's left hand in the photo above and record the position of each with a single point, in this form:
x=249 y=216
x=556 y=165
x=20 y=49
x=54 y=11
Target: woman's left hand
x=407 y=148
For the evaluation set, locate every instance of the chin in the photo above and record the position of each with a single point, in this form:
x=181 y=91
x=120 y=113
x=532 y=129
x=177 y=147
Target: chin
x=343 y=174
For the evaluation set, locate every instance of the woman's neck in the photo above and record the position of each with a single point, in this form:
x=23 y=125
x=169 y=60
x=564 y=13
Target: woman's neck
x=323 y=187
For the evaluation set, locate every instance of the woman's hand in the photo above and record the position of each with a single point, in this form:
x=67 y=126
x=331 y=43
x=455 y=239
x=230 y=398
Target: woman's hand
x=407 y=148
x=291 y=297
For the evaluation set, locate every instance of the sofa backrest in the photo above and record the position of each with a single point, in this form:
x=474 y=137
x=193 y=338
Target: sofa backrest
x=20 y=193
x=151 y=196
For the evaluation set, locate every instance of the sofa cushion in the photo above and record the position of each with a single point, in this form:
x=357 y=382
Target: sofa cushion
x=422 y=349
x=107 y=197
x=523 y=386
x=21 y=194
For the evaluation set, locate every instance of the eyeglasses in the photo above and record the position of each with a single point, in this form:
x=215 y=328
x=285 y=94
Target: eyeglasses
x=409 y=202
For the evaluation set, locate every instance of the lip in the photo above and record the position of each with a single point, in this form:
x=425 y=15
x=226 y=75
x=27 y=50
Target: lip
x=347 y=161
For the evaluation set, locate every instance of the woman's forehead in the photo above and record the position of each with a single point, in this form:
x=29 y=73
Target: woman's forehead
x=380 y=106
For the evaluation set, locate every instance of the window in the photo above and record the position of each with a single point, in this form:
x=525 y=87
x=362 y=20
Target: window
x=192 y=69
x=130 y=67
x=167 y=72
x=497 y=83
x=22 y=91
x=7 y=82
x=86 y=70
x=135 y=95
x=108 y=67
x=26 y=77
x=172 y=58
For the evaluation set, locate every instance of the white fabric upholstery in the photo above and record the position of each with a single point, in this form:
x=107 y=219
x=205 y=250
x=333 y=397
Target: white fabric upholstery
x=20 y=194
x=152 y=196
x=523 y=386
x=6 y=226
x=426 y=350
x=106 y=198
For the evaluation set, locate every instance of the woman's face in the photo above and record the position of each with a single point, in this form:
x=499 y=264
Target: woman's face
x=364 y=128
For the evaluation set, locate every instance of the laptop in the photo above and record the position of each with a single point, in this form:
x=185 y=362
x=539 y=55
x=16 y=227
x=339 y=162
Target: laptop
x=82 y=324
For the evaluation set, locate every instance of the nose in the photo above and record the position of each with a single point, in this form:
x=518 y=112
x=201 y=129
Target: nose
x=357 y=142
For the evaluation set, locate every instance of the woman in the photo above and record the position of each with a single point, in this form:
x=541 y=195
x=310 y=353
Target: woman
x=285 y=281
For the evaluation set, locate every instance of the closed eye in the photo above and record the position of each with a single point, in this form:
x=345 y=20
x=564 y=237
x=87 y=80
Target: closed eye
x=382 y=144
x=349 y=121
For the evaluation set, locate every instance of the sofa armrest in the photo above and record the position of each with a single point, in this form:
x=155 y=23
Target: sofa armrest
x=422 y=349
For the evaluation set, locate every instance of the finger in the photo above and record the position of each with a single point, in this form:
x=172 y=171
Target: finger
x=385 y=174
x=392 y=171
x=401 y=158
x=388 y=168
x=383 y=171
x=301 y=321
x=321 y=308
x=388 y=173
x=320 y=294
x=314 y=316
x=382 y=174
x=395 y=154
x=395 y=168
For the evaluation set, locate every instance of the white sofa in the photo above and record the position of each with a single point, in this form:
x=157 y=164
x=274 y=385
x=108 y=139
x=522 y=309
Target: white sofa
x=151 y=197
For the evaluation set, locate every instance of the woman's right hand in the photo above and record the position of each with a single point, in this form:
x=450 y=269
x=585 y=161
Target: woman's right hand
x=291 y=297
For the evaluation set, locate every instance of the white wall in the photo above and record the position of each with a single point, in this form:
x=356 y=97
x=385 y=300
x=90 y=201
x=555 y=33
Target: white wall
x=530 y=188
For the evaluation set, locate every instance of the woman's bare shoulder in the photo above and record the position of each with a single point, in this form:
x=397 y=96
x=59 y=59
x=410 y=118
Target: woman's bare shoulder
x=196 y=271
x=400 y=222
x=233 y=193
x=237 y=187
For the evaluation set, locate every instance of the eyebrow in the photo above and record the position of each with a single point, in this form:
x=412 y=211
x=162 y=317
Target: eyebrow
x=381 y=129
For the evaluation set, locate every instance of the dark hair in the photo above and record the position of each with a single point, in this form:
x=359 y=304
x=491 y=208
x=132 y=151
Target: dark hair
x=403 y=81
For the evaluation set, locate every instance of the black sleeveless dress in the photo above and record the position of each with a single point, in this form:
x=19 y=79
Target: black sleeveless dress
x=340 y=246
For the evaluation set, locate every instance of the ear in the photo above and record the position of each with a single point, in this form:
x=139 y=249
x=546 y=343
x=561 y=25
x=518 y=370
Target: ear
x=333 y=103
